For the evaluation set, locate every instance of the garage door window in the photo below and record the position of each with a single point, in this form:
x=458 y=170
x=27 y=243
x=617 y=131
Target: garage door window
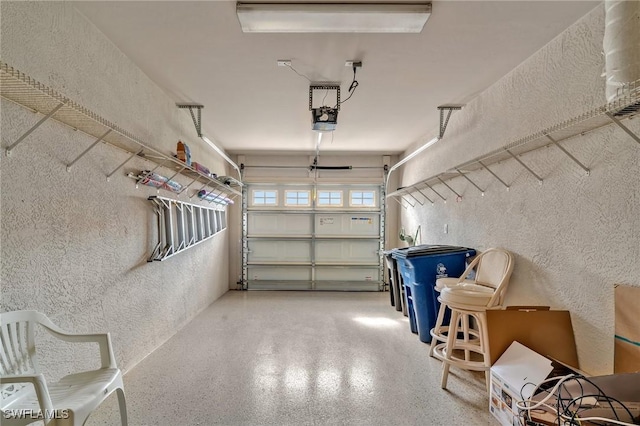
x=330 y=198
x=265 y=198
x=362 y=199
x=297 y=198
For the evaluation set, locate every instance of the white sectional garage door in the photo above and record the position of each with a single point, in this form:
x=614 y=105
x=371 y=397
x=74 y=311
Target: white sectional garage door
x=306 y=237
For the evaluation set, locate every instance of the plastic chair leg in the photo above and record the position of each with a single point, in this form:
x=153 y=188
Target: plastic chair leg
x=123 y=407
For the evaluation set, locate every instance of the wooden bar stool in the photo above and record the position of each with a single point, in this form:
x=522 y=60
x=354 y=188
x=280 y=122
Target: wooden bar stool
x=471 y=299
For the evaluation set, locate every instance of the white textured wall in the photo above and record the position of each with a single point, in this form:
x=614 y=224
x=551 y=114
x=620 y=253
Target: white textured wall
x=575 y=236
x=74 y=246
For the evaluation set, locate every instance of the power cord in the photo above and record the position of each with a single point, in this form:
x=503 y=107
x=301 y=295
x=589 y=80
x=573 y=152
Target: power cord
x=352 y=88
x=300 y=74
x=566 y=415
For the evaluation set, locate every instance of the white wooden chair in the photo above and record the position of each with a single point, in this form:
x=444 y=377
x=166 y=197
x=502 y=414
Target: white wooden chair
x=26 y=395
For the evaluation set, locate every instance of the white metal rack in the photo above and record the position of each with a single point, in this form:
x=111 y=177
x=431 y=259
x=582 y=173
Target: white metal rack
x=21 y=89
x=627 y=105
x=183 y=225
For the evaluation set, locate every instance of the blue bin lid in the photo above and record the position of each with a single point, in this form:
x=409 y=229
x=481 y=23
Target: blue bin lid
x=430 y=249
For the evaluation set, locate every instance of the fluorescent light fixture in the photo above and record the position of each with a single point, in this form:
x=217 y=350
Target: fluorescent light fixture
x=333 y=17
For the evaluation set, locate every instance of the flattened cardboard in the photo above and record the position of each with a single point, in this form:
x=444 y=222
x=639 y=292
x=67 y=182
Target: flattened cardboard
x=546 y=332
x=627 y=337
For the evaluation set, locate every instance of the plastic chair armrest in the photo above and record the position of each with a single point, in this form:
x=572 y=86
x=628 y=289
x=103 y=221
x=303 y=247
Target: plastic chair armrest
x=39 y=383
x=103 y=339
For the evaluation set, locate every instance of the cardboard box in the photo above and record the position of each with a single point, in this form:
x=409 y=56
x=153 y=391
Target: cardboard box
x=546 y=332
x=514 y=376
x=627 y=339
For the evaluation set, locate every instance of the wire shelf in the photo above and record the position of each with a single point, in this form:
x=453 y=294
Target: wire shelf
x=625 y=106
x=23 y=90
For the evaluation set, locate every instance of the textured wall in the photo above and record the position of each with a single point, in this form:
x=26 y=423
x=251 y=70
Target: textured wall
x=575 y=236
x=74 y=246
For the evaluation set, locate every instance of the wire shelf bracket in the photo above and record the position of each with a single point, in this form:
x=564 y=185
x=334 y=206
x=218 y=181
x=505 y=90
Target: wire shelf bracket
x=34 y=127
x=444 y=120
x=198 y=111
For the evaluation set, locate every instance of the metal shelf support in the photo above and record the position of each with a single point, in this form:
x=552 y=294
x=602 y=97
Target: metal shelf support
x=133 y=154
x=424 y=195
x=399 y=201
x=196 y=122
x=470 y=181
x=493 y=174
x=623 y=127
x=524 y=165
x=452 y=190
x=444 y=121
x=437 y=193
x=35 y=126
x=418 y=201
x=575 y=160
x=87 y=150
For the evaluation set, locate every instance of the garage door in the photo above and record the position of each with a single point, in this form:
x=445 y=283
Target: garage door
x=308 y=237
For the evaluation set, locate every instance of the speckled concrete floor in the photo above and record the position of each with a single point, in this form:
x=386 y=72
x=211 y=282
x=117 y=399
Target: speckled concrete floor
x=297 y=358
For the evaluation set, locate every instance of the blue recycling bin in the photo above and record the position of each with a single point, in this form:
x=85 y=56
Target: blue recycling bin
x=420 y=267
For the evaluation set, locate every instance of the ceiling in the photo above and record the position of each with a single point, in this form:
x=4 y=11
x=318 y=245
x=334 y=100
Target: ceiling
x=196 y=52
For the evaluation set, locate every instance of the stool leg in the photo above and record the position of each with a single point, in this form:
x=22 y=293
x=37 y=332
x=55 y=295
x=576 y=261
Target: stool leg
x=437 y=329
x=484 y=345
x=451 y=340
x=465 y=335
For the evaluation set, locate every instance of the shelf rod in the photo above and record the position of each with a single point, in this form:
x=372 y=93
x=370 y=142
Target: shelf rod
x=424 y=195
x=88 y=149
x=493 y=174
x=524 y=165
x=418 y=201
x=437 y=193
x=35 y=126
x=452 y=190
x=201 y=188
x=400 y=202
x=575 y=160
x=152 y=170
x=623 y=127
x=470 y=181
x=177 y=173
x=133 y=154
x=191 y=183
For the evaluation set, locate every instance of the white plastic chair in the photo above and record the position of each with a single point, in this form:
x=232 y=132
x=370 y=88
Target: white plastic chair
x=26 y=395
x=466 y=299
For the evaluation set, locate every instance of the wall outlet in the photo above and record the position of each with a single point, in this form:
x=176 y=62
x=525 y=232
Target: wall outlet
x=284 y=62
x=357 y=64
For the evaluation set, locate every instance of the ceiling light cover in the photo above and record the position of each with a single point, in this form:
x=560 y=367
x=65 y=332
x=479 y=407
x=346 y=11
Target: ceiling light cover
x=333 y=17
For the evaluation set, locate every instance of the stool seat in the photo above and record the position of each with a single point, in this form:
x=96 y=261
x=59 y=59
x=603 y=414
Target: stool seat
x=449 y=282
x=467 y=294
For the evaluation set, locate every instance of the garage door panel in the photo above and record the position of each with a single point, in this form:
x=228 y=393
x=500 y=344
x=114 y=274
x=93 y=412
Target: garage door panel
x=279 y=251
x=345 y=224
x=265 y=224
x=351 y=251
x=279 y=273
x=347 y=274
